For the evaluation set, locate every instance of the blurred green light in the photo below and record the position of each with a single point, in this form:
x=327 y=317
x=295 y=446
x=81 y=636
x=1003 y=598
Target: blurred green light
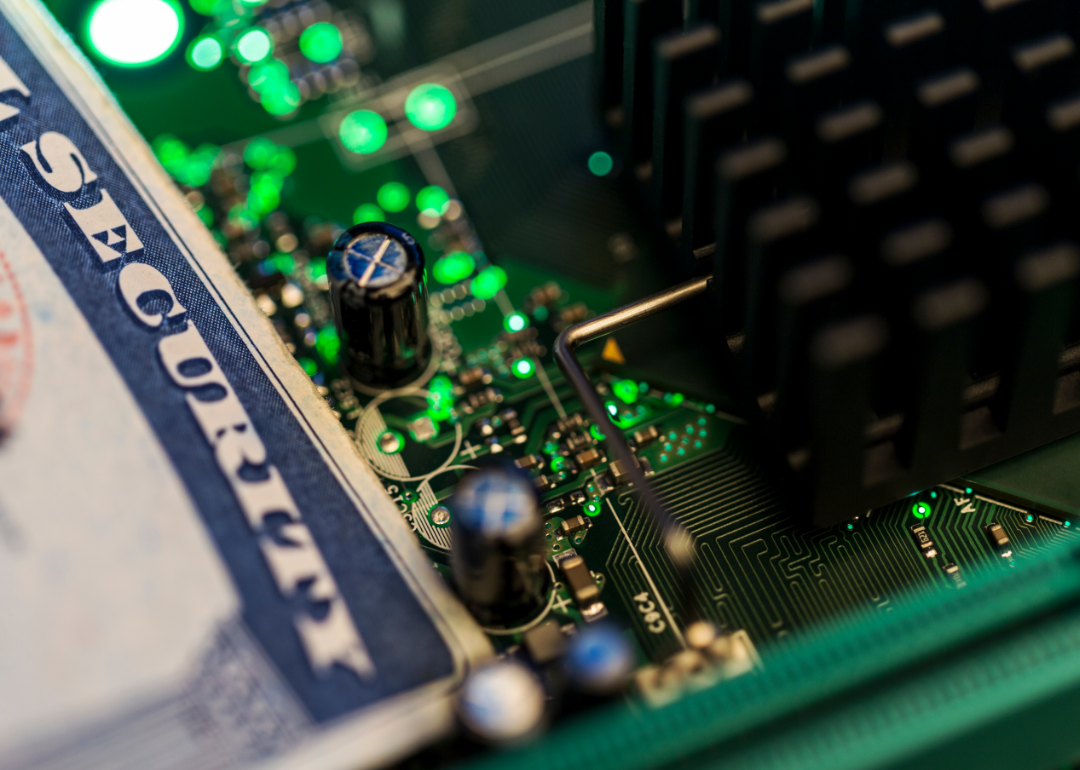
x=362 y=131
x=268 y=76
x=440 y=397
x=328 y=344
x=433 y=200
x=205 y=7
x=488 y=283
x=283 y=162
x=368 y=212
x=258 y=153
x=316 y=268
x=515 y=322
x=134 y=33
x=282 y=100
x=594 y=431
x=523 y=368
x=321 y=42
x=920 y=510
x=430 y=106
x=626 y=391
x=600 y=163
x=279 y=262
x=308 y=366
x=454 y=267
x=205 y=53
x=393 y=196
x=254 y=45
x=592 y=509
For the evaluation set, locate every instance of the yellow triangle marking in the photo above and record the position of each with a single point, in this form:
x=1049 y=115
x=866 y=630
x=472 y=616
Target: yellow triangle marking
x=612 y=352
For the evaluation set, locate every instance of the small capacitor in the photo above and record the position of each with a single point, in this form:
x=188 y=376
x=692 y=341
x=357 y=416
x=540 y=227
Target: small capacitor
x=497 y=560
x=502 y=703
x=599 y=660
x=376 y=274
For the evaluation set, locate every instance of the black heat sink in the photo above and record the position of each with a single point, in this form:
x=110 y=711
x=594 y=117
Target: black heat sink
x=887 y=193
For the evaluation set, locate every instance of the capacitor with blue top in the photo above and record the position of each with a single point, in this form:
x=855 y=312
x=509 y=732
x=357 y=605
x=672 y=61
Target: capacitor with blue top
x=497 y=561
x=599 y=660
x=376 y=276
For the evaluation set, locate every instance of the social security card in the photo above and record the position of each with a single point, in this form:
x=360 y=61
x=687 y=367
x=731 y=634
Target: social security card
x=198 y=571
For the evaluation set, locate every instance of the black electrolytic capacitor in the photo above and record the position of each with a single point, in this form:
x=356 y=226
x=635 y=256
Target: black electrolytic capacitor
x=376 y=274
x=497 y=559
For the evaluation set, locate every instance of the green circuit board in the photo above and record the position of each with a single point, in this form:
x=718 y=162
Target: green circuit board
x=515 y=254
x=493 y=394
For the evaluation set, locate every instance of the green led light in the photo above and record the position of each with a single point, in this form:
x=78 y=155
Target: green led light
x=515 y=322
x=1068 y=524
x=254 y=45
x=488 y=283
x=205 y=53
x=626 y=391
x=268 y=77
x=309 y=366
x=328 y=343
x=702 y=433
x=558 y=463
x=430 y=106
x=1030 y=518
x=920 y=510
x=594 y=431
x=454 y=267
x=663 y=458
x=933 y=494
x=316 y=269
x=612 y=408
x=134 y=33
x=205 y=7
x=170 y=152
x=600 y=163
x=441 y=386
x=281 y=100
x=710 y=408
x=433 y=200
x=440 y=398
x=321 y=42
x=523 y=368
x=592 y=509
x=258 y=152
x=362 y=131
x=368 y=212
x=283 y=162
x=279 y=263
x=541 y=313
x=967 y=491
x=393 y=196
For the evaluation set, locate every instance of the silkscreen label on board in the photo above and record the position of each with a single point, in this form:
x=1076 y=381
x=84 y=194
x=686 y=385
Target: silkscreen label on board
x=312 y=608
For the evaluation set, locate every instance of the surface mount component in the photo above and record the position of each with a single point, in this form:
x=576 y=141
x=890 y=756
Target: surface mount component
x=377 y=282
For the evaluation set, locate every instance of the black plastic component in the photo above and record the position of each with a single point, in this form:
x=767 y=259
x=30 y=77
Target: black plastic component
x=377 y=287
x=497 y=560
x=883 y=191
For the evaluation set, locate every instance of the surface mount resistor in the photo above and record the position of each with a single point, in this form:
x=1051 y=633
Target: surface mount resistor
x=580 y=581
x=998 y=539
x=922 y=539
